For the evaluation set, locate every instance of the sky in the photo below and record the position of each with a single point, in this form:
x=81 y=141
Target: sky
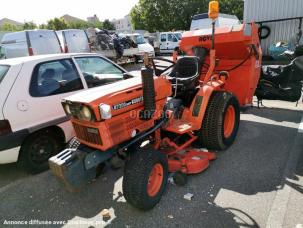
x=40 y=11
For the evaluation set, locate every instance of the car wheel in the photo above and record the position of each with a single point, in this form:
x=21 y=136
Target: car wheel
x=37 y=149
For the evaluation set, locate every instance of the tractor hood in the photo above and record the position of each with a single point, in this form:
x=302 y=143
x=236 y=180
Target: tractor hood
x=121 y=96
x=93 y=94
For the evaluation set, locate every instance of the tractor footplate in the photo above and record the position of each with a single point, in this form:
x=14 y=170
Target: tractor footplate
x=190 y=162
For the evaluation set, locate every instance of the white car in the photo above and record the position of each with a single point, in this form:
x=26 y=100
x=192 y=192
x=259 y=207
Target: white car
x=33 y=125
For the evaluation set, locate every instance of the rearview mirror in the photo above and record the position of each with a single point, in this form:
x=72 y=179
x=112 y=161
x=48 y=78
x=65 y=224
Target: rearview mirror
x=127 y=75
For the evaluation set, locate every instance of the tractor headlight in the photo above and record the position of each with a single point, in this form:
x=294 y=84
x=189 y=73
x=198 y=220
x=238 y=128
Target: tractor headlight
x=105 y=111
x=86 y=113
x=66 y=108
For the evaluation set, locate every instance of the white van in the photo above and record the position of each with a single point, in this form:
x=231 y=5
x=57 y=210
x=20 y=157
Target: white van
x=168 y=41
x=31 y=42
x=74 y=41
x=201 y=21
x=143 y=46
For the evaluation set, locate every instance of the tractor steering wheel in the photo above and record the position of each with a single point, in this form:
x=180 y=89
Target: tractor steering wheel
x=160 y=69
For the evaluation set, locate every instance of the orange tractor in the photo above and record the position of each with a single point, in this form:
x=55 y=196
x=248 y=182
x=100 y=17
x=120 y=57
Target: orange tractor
x=154 y=122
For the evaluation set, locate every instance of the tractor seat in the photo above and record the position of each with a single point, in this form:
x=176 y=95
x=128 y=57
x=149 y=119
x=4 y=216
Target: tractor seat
x=185 y=73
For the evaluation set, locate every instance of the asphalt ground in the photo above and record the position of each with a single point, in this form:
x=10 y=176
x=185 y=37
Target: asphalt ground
x=257 y=182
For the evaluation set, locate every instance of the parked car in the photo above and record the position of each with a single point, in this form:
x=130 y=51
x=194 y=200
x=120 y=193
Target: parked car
x=31 y=42
x=143 y=46
x=74 y=41
x=167 y=42
x=202 y=21
x=33 y=125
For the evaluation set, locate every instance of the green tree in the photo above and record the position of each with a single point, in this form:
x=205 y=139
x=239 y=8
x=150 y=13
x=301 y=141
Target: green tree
x=57 y=24
x=10 y=27
x=43 y=26
x=108 y=25
x=29 y=25
x=78 y=25
x=165 y=15
x=97 y=24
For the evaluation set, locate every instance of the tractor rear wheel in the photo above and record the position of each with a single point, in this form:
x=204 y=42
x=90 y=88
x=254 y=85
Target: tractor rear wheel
x=221 y=121
x=145 y=179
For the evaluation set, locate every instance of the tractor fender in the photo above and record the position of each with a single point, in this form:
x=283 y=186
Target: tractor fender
x=200 y=102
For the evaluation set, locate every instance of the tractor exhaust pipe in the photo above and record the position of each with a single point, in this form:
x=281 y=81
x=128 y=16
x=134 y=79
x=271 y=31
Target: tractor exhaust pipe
x=148 y=86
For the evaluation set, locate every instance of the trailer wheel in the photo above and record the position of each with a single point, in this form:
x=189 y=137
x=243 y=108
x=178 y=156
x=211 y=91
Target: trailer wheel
x=145 y=179
x=221 y=122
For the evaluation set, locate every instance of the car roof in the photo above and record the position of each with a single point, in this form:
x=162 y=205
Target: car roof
x=20 y=60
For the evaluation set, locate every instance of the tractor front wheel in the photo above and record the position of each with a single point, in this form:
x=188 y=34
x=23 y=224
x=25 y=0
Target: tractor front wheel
x=221 y=122
x=145 y=179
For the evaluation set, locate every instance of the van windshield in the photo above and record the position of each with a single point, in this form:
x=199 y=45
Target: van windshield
x=3 y=71
x=139 y=39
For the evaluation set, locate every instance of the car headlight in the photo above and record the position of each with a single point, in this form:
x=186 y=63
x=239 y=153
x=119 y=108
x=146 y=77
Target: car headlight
x=86 y=113
x=105 y=111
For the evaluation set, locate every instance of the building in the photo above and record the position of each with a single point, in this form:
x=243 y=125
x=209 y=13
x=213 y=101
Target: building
x=266 y=10
x=123 y=24
x=94 y=19
x=70 y=19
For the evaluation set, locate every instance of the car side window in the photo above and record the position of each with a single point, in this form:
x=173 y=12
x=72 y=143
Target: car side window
x=163 y=38
x=98 y=71
x=55 y=77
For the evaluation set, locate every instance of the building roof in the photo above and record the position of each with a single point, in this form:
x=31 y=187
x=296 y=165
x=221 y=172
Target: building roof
x=9 y=21
x=71 y=19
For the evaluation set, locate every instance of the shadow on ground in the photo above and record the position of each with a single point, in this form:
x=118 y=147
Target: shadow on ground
x=253 y=165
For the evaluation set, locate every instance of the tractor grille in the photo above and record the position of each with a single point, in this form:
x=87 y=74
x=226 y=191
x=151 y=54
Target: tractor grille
x=88 y=134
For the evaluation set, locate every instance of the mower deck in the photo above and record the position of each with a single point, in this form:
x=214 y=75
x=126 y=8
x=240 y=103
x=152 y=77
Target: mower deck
x=191 y=161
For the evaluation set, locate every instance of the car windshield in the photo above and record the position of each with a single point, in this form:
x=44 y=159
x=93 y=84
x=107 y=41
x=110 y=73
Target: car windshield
x=3 y=71
x=98 y=71
x=139 y=39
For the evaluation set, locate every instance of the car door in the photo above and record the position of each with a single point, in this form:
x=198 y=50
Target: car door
x=172 y=41
x=76 y=41
x=163 y=42
x=44 y=42
x=35 y=100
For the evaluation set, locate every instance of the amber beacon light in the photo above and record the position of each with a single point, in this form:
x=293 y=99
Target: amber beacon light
x=213 y=10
